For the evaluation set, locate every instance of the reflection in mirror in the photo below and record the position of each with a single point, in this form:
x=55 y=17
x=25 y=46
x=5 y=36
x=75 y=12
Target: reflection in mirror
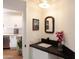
x=49 y=24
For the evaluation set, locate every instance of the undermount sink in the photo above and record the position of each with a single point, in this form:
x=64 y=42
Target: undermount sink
x=44 y=45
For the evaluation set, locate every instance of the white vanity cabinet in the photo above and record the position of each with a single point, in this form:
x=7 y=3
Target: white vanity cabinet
x=39 y=54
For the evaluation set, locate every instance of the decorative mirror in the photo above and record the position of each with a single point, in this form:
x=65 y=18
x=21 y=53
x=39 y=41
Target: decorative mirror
x=49 y=24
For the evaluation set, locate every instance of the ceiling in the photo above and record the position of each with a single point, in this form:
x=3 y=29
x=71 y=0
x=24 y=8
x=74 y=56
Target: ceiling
x=39 y=1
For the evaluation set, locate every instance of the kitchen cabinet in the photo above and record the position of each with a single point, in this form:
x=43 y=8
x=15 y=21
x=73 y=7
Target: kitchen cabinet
x=10 y=40
x=13 y=41
x=6 y=41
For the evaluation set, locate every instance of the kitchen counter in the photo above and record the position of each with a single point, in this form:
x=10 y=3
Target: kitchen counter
x=13 y=34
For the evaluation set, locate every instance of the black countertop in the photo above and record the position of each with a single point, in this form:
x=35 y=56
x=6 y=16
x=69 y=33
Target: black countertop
x=51 y=49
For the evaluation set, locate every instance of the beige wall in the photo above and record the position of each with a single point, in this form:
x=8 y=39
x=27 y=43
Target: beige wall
x=33 y=11
x=62 y=11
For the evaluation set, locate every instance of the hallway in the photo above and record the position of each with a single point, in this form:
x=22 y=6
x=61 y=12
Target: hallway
x=11 y=54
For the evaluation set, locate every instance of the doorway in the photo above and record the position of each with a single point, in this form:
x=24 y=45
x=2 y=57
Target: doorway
x=12 y=34
x=19 y=5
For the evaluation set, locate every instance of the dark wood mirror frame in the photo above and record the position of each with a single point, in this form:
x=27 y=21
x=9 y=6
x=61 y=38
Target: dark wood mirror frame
x=47 y=26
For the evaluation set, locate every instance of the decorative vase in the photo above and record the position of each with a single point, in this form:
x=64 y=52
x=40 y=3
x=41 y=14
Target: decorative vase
x=60 y=47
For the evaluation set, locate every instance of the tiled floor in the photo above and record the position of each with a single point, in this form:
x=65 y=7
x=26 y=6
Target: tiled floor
x=11 y=54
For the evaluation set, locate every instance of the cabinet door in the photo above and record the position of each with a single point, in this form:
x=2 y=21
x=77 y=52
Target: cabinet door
x=13 y=42
x=38 y=54
x=6 y=41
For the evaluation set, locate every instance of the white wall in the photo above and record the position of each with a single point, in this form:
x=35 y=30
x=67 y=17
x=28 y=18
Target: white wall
x=10 y=21
x=33 y=11
x=69 y=24
x=63 y=12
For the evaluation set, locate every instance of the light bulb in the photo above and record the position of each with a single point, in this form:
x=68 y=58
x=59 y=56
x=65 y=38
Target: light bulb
x=44 y=5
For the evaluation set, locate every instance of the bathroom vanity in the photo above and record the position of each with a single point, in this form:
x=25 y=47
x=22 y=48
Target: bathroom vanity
x=47 y=49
